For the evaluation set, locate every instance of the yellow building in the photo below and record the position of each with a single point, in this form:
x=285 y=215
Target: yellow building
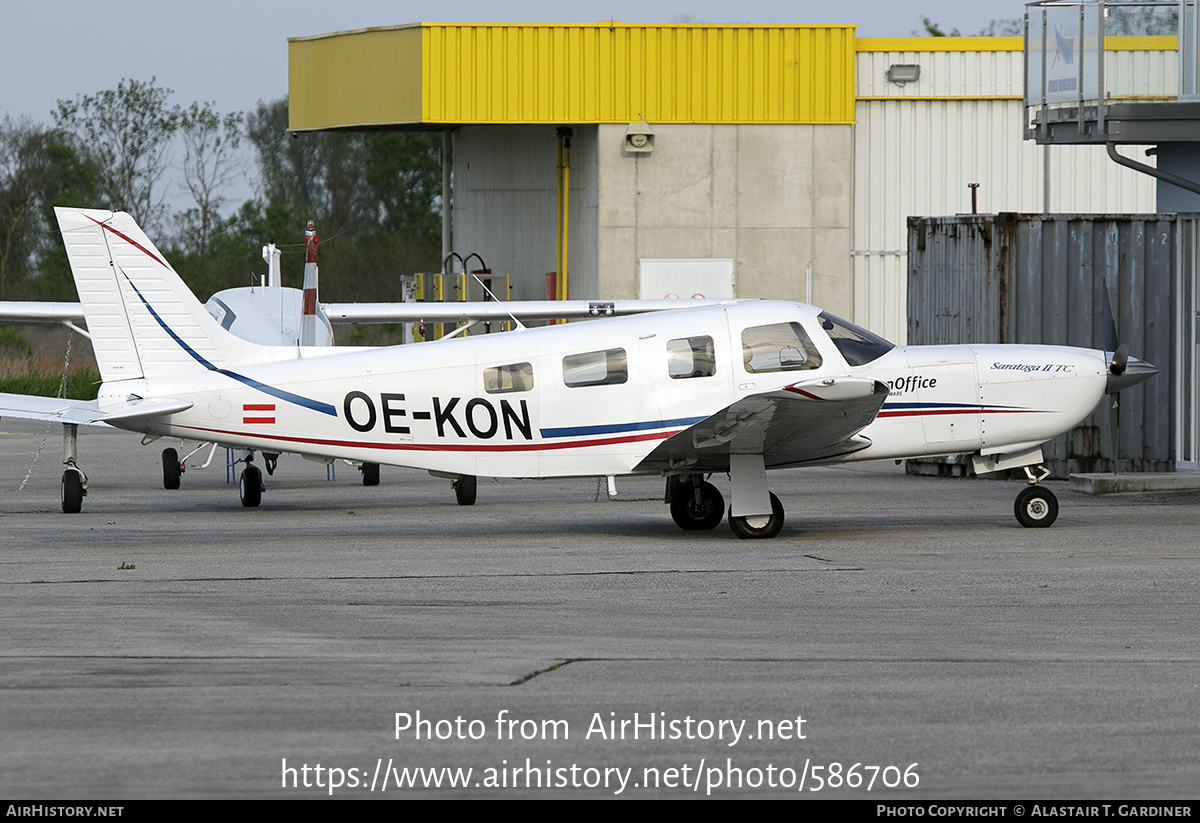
x=742 y=160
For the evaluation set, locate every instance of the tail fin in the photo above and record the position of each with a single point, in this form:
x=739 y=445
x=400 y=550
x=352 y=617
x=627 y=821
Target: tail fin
x=143 y=319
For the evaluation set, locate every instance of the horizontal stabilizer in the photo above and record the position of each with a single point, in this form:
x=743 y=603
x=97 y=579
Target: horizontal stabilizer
x=84 y=412
x=38 y=313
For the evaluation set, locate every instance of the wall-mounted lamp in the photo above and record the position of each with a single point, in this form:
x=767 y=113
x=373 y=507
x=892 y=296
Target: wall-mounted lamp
x=902 y=73
x=639 y=138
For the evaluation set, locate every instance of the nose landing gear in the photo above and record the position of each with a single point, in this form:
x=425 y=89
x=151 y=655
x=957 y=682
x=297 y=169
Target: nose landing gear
x=1036 y=506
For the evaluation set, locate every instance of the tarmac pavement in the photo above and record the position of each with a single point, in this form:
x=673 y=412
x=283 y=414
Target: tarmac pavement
x=174 y=644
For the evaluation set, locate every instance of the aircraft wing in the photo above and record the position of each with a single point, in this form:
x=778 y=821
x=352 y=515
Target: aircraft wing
x=17 y=313
x=33 y=313
x=522 y=309
x=84 y=412
x=801 y=423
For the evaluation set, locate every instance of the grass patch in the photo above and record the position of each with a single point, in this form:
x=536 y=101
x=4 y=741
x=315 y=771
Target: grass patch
x=23 y=372
x=81 y=385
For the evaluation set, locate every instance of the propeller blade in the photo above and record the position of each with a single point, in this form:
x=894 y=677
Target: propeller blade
x=1110 y=324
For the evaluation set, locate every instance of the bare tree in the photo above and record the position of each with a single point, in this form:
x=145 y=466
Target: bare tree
x=210 y=163
x=127 y=132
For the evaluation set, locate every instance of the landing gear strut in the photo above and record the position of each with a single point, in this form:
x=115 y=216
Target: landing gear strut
x=74 y=481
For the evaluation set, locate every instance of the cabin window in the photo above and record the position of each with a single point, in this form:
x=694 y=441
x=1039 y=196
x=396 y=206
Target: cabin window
x=596 y=368
x=856 y=344
x=778 y=347
x=504 y=379
x=691 y=357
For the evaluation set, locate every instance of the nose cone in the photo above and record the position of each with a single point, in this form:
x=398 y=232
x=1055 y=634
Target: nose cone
x=1122 y=376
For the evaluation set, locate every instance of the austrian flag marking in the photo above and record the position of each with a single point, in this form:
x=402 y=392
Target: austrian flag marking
x=258 y=413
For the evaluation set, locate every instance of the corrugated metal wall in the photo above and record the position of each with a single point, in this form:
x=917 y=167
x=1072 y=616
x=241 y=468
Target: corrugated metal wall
x=918 y=146
x=1133 y=69
x=1013 y=278
x=613 y=73
x=451 y=74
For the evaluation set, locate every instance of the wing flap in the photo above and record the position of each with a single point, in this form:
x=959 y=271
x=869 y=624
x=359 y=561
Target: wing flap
x=802 y=423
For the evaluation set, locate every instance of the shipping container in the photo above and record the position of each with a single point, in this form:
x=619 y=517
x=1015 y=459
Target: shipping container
x=1021 y=278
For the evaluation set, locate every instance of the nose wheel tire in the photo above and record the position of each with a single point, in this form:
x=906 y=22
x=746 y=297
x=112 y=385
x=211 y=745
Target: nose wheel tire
x=760 y=527
x=250 y=487
x=1036 y=507
x=697 y=507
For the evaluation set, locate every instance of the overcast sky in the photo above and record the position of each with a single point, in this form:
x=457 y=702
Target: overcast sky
x=235 y=52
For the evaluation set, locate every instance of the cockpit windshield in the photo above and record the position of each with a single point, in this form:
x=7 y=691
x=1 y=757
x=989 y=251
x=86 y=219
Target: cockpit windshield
x=856 y=344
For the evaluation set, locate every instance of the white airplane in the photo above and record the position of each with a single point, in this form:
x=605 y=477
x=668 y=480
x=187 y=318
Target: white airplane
x=740 y=387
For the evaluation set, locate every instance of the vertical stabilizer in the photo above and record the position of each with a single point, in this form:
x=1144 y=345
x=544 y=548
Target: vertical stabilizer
x=143 y=319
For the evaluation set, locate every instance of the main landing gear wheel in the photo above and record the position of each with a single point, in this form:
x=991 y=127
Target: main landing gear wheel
x=250 y=487
x=464 y=490
x=1036 y=507
x=171 y=469
x=370 y=472
x=697 y=506
x=760 y=526
x=72 y=491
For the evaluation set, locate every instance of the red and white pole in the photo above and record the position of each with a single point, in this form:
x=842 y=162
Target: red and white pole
x=308 y=322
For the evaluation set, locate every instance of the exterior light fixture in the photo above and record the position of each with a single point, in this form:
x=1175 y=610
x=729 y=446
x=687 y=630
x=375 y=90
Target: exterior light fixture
x=902 y=73
x=639 y=138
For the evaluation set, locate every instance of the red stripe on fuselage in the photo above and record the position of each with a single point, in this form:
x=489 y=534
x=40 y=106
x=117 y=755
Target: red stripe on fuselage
x=465 y=447
x=802 y=393
x=923 y=412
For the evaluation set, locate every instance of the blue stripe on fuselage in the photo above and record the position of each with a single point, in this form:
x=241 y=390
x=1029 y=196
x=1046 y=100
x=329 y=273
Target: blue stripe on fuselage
x=615 y=428
x=287 y=396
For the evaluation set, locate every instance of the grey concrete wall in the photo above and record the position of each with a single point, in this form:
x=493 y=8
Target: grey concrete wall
x=776 y=199
x=1183 y=160
x=772 y=198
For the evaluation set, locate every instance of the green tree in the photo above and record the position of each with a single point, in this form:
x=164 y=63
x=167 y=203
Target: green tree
x=375 y=197
x=126 y=133
x=932 y=29
x=39 y=169
x=1004 y=27
x=1137 y=19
